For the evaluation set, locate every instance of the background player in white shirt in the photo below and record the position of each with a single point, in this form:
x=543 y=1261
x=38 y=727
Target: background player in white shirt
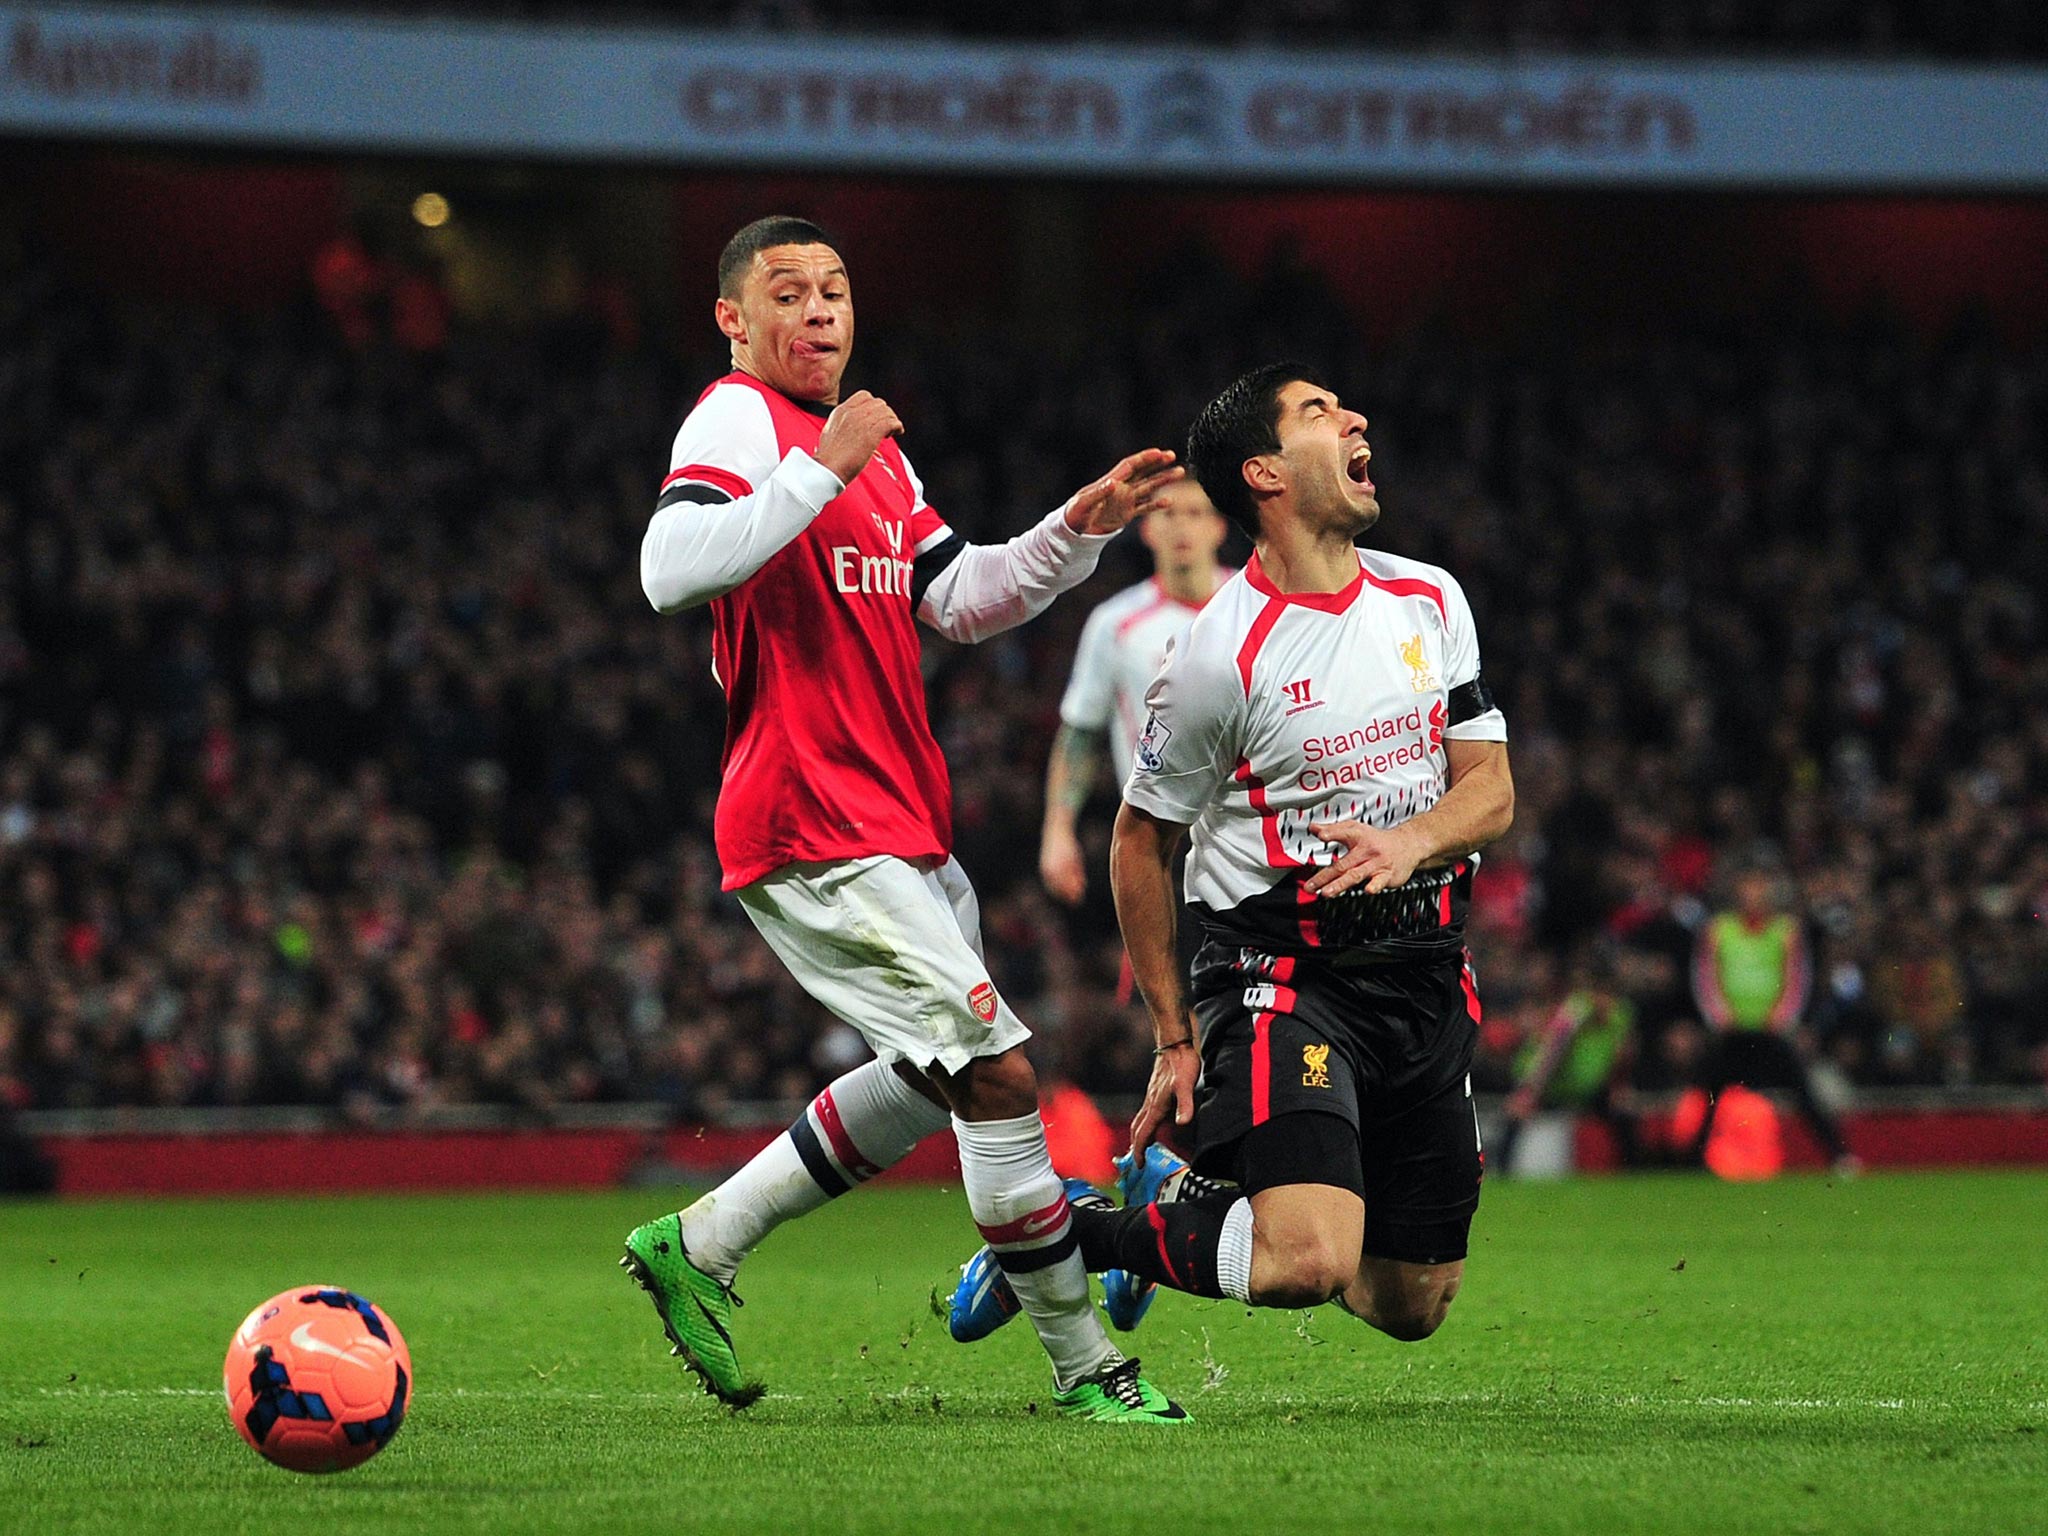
x=1324 y=730
x=1122 y=647
x=796 y=517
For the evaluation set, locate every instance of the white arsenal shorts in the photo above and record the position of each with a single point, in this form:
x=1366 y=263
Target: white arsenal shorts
x=893 y=950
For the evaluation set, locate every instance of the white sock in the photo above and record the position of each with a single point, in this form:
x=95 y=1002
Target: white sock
x=1017 y=1202
x=865 y=1121
x=1234 y=1252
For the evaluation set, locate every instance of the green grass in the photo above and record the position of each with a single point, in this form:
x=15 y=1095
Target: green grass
x=1669 y=1355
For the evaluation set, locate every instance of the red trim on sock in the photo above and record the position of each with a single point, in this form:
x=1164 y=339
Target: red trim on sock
x=1158 y=1219
x=1040 y=1226
x=849 y=1155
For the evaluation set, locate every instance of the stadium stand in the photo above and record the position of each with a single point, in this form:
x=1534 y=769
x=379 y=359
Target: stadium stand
x=343 y=764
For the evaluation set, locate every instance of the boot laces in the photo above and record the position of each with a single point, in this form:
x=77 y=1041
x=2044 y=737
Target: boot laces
x=1123 y=1384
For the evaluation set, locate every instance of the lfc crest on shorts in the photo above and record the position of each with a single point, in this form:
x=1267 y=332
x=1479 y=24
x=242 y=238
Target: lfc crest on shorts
x=983 y=1001
x=1317 y=1059
x=1421 y=676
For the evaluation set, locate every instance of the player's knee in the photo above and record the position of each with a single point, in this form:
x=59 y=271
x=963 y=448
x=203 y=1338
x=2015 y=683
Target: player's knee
x=1416 y=1314
x=1412 y=1324
x=1406 y=1308
x=1303 y=1274
x=995 y=1087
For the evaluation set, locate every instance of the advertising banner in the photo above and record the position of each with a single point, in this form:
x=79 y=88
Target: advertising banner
x=743 y=99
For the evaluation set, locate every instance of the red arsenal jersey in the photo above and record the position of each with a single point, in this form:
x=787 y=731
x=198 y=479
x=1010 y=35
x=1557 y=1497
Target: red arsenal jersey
x=828 y=751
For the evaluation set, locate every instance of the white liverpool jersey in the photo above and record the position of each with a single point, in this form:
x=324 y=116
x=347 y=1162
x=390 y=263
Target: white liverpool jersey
x=1122 y=648
x=1275 y=711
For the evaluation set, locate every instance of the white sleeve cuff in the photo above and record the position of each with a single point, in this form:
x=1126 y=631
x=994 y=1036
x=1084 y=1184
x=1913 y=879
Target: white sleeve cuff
x=1491 y=726
x=1065 y=543
x=1145 y=796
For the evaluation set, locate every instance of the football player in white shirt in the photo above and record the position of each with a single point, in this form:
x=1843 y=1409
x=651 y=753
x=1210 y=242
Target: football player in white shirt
x=1324 y=733
x=1121 y=649
x=1327 y=735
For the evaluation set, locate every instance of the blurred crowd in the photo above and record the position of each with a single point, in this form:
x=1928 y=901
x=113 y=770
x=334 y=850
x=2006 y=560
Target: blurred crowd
x=1880 y=28
x=342 y=761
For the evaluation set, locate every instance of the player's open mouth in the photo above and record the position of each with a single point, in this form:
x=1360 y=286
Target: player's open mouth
x=814 y=349
x=1356 y=467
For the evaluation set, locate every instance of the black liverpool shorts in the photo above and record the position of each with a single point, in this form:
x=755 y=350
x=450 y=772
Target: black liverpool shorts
x=1385 y=1048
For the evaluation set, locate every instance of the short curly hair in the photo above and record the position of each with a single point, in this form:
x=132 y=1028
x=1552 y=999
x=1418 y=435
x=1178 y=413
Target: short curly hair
x=1240 y=424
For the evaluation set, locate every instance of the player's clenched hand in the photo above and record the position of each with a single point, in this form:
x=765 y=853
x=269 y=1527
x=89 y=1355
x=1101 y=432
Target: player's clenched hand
x=1375 y=857
x=853 y=432
x=1125 y=494
x=1171 y=1092
x=1062 y=867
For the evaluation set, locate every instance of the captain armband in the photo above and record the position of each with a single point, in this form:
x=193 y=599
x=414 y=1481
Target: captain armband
x=693 y=491
x=1471 y=700
x=925 y=568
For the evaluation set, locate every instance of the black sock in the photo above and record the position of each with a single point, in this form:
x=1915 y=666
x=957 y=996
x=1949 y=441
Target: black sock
x=1174 y=1244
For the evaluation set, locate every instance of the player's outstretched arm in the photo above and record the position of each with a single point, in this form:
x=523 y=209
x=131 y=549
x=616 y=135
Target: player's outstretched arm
x=1141 y=879
x=988 y=588
x=1478 y=807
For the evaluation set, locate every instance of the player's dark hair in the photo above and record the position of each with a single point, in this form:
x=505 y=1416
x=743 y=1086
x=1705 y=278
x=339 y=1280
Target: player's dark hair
x=1239 y=424
x=742 y=248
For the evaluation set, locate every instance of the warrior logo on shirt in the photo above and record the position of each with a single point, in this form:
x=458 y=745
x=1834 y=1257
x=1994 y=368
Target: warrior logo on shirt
x=1317 y=1059
x=1152 y=742
x=1422 y=679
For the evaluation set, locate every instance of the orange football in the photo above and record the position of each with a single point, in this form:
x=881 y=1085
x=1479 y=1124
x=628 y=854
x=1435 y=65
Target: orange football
x=317 y=1379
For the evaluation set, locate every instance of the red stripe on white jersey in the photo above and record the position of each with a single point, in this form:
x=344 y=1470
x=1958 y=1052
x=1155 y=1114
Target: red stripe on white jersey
x=1412 y=586
x=1255 y=637
x=1126 y=625
x=710 y=474
x=1276 y=852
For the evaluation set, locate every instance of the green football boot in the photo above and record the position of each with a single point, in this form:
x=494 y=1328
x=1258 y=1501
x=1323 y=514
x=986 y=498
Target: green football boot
x=1119 y=1396
x=696 y=1311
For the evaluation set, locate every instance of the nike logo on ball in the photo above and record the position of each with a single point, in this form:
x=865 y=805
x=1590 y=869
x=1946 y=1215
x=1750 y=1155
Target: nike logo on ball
x=302 y=1338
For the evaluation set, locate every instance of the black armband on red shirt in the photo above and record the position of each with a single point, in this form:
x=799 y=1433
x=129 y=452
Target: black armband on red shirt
x=926 y=567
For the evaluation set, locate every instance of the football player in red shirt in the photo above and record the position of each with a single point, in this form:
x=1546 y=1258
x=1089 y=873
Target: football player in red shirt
x=795 y=515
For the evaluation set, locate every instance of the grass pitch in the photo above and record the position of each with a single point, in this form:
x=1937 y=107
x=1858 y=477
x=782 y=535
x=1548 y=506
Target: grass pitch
x=1666 y=1354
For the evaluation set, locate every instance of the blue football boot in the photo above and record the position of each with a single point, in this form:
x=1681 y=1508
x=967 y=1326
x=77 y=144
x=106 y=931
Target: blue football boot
x=1139 y=1180
x=983 y=1300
